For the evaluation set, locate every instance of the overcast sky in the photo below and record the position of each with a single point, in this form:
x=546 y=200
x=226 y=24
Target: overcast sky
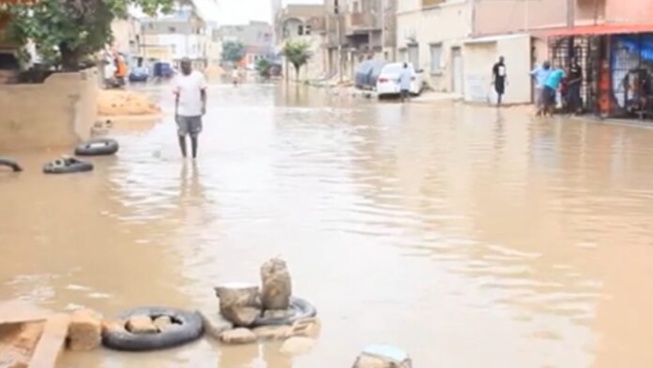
x=241 y=11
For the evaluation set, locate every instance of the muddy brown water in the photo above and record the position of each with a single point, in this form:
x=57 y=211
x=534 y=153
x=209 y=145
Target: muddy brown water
x=470 y=237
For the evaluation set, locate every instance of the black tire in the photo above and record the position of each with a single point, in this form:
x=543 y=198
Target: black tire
x=6 y=161
x=67 y=166
x=301 y=309
x=191 y=329
x=97 y=147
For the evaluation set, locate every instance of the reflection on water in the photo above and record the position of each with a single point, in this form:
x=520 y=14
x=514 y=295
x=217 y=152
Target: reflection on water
x=473 y=237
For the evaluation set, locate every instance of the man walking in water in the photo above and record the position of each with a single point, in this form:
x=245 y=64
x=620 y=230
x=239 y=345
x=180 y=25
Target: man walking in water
x=190 y=105
x=405 y=79
x=499 y=79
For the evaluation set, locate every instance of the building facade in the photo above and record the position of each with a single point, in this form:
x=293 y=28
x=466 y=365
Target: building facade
x=302 y=23
x=358 y=30
x=256 y=36
x=171 y=38
x=430 y=35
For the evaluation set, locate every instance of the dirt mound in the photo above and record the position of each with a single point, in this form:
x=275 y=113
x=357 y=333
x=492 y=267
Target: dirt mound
x=213 y=72
x=120 y=103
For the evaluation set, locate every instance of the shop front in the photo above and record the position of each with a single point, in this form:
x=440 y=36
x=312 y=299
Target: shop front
x=617 y=65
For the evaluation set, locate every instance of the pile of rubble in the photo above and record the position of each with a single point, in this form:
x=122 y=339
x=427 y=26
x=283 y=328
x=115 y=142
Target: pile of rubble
x=242 y=305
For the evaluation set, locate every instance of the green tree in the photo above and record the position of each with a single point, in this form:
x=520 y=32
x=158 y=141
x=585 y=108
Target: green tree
x=298 y=54
x=263 y=67
x=233 y=51
x=68 y=33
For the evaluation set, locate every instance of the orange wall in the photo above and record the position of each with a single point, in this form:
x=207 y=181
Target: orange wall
x=630 y=11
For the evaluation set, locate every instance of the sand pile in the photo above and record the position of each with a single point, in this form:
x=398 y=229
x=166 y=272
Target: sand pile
x=213 y=72
x=121 y=102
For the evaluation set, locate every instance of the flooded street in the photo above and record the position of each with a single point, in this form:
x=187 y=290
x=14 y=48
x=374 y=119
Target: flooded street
x=470 y=237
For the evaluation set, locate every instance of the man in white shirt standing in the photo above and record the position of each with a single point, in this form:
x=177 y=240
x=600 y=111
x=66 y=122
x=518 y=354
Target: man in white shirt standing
x=190 y=105
x=405 y=80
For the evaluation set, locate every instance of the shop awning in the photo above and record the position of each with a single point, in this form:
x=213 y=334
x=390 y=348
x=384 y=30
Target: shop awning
x=603 y=29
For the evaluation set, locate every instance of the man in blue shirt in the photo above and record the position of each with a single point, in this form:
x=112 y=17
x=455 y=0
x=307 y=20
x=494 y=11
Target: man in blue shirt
x=551 y=86
x=541 y=73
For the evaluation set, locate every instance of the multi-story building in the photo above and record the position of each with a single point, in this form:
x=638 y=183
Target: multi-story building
x=430 y=34
x=127 y=35
x=305 y=23
x=257 y=37
x=182 y=34
x=358 y=30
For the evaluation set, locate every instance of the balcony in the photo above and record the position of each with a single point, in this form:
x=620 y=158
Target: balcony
x=357 y=23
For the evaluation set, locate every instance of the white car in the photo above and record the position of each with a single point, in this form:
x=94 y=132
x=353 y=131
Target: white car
x=388 y=81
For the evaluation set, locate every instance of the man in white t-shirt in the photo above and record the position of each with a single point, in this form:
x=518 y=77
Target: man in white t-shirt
x=190 y=105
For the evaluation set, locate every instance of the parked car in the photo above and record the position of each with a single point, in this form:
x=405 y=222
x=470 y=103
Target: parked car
x=367 y=73
x=139 y=74
x=163 y=70
x=388 y=81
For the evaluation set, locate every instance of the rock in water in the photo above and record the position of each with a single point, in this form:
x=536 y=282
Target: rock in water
x=239 y=303
x=163 y=323
x=85 y=330
x=238 y=336
x=382 y=356
x=276 y=284
x=141 y=325
x=215 y=324
x=272 y=332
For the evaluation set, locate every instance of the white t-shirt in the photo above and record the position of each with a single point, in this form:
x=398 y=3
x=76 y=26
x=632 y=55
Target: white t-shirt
x=189 y=88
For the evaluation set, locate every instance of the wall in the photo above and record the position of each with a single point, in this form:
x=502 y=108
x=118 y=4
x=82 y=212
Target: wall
x=478 y=58
x=67 y=109
x=192 y=46
x=629 y=11
x=447 y=24
x=521 y=15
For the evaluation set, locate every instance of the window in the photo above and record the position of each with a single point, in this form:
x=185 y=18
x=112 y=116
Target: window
x=436 y=57
x=413 y=55
x=307 y=31
x=300 y=30
x=172 y=29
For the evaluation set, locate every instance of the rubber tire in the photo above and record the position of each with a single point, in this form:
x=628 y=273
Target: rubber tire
x=75 y=167
x=92 y=148
x=6 y=161
x=303 y=309
x=191 y=329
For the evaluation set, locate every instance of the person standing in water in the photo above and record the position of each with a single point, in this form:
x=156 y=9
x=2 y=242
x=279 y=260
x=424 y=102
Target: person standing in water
x=499 y=79
x=190 y=105
x=541 y=73
x=405 y=79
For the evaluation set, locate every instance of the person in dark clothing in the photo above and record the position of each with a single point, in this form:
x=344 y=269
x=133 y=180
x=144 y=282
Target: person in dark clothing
x=499 y=79
x=574 y=82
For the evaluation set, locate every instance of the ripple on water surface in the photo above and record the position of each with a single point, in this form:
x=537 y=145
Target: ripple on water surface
x=473 y=237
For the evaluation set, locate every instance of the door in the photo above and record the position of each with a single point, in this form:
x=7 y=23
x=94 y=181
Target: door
x=457 y=72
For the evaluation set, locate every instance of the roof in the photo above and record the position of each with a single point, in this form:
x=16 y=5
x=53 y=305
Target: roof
x=603 y=29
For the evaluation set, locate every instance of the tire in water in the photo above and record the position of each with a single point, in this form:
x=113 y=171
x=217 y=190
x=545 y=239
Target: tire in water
x=97 y=147
x=191 y=328
x=11 y=163
x=67 y=166
x=299 y=309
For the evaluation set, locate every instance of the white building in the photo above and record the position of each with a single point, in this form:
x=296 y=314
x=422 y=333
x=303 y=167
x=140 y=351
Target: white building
x=430 y=34
x=171 y=38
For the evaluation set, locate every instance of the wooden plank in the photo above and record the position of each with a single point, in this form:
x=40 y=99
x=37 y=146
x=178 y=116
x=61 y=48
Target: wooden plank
x=51 y=343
